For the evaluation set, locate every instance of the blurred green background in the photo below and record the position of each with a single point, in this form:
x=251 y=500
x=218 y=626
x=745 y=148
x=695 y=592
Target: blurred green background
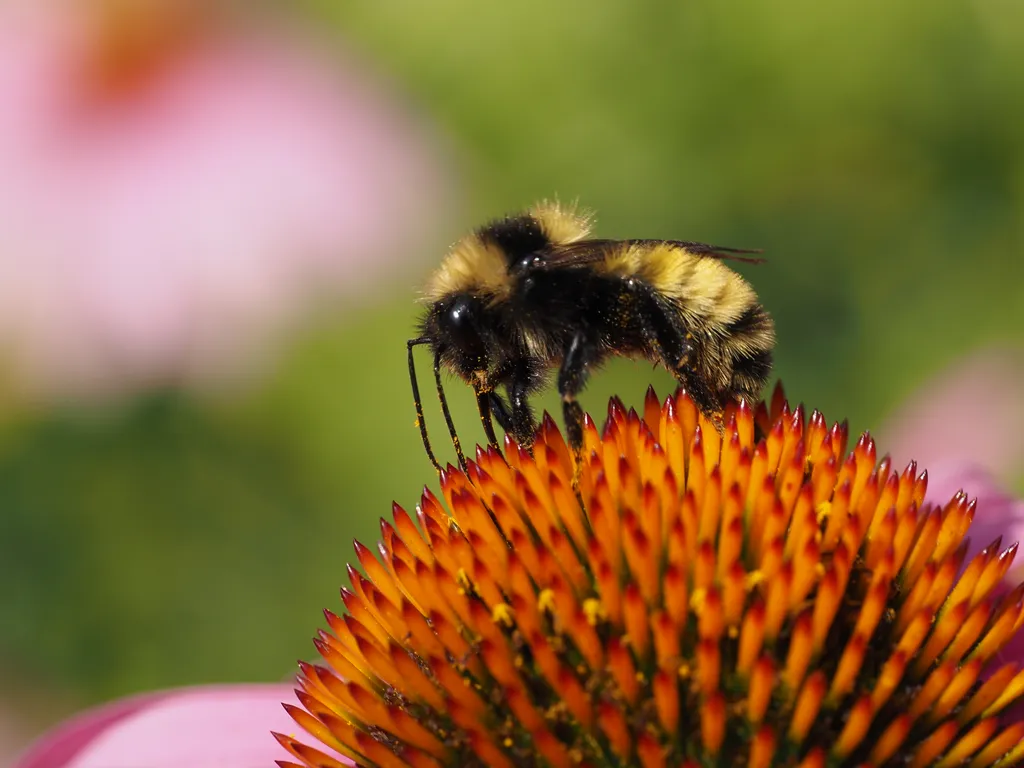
x=875 y=151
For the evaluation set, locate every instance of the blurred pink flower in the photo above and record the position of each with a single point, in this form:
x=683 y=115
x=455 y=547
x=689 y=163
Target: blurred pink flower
x=975 y=453
x=206 y=727
x=970 y=415
x=978 y=450
x=168 y=200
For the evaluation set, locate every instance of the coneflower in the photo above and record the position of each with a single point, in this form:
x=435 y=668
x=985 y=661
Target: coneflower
x=755 y=598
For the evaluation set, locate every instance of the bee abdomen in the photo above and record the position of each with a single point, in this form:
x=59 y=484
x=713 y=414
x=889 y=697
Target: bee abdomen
x=748 y=344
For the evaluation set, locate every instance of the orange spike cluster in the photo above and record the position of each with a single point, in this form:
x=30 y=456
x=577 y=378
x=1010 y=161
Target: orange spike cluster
x=683 y=597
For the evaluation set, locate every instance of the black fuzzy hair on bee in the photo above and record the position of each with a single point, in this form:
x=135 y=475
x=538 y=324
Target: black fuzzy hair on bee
x=531 y=292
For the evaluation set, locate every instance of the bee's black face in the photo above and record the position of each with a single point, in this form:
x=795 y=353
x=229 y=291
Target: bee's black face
x=457 y=323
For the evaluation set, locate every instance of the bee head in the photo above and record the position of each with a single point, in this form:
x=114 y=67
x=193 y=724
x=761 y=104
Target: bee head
x=454 y=323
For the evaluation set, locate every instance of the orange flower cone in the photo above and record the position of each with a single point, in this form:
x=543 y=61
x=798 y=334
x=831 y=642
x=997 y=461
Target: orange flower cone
x=756 y=598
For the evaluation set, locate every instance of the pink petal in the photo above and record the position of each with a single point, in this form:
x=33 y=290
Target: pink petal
x=971 y=414
x=225 y=726
x=168 y=235
x=964 y=428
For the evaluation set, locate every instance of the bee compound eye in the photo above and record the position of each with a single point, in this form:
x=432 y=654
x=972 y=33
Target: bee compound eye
x=460 y=315
x=459 y=322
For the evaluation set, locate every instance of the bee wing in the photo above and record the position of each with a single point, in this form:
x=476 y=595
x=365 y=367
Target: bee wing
x=577 y=254
x=714 y=251
x=585 y=252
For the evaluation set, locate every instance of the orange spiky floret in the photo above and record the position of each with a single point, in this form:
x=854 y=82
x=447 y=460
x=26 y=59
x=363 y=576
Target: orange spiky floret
x=755 y=597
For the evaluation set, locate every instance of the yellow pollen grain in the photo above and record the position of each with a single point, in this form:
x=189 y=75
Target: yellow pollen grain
x=594 y=610
x=823 y=510
x=503 y=614
x=698 y=599
x=546 y=601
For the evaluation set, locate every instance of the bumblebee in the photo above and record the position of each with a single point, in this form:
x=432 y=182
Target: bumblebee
x=533 y=291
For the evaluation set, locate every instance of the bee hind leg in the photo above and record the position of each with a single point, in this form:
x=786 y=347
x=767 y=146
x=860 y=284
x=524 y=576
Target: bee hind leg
x=678 y=350
x=484 y=406
x=707 y=402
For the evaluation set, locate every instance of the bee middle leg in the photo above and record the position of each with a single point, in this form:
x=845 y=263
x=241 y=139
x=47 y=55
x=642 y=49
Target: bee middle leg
x=484 y=404
x=500 y=411
x=520 y=377
x=492 y=406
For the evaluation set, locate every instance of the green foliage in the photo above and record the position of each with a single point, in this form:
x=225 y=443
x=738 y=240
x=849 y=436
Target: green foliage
x=872 y=149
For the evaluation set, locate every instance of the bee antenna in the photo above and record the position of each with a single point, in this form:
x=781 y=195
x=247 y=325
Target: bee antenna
x=420 y=422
